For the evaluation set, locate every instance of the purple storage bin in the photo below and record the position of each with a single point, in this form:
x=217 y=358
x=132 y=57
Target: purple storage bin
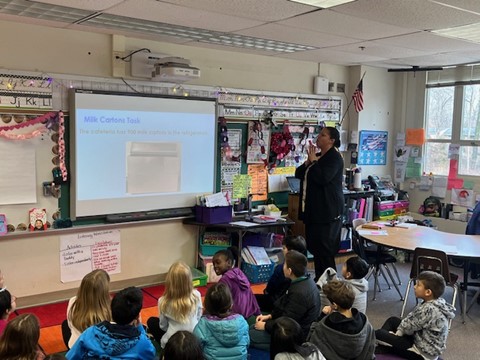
x=258 y=239
x=213 y=215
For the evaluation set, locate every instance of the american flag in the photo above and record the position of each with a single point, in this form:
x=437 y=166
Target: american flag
x=358 y=97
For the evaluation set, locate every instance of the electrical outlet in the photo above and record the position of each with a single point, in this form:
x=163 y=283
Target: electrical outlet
x=118 y=65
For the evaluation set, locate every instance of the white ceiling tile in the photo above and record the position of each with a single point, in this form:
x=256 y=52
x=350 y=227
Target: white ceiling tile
x=295 y=35
x=94 y=5
x=417 y=14
x=262 y=10
x=374 y=48
x=330 y=22
x=331 y=56
x=428 y=41
x=179 y=15
x=468 y=5
x=392 y=31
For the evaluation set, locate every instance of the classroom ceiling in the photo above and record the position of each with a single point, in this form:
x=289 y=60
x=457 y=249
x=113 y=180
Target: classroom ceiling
x=378 y=33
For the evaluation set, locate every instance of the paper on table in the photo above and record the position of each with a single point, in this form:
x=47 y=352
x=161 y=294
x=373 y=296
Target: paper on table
x=406 y=225
x=372 y=232
x=243 y=223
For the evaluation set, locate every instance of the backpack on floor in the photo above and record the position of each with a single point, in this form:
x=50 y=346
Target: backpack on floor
x=432 y=206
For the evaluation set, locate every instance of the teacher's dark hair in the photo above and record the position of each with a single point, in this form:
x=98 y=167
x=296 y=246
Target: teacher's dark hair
x=335 y=135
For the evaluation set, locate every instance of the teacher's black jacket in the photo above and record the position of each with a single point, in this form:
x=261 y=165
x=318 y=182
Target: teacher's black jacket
x=324 y=200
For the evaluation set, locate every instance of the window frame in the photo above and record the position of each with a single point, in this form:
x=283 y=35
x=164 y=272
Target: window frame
x=458 y=104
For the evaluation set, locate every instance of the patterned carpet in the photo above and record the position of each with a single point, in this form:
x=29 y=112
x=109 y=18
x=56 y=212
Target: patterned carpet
x=51 y=316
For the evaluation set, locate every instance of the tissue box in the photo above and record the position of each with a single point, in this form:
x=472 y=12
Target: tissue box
x=213 y=215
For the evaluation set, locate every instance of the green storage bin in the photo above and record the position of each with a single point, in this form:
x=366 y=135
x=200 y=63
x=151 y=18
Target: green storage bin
x=386 y=212
x=211 y=242
x=198 y=278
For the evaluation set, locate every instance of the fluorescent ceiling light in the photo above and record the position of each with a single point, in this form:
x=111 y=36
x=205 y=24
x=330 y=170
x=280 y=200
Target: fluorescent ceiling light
x=324 y=4
x=467 y=32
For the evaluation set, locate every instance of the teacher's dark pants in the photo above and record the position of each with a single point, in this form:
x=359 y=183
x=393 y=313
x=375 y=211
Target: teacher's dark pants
x=323 y=242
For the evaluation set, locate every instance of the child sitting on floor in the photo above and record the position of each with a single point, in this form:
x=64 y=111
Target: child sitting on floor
x=244 y=302
x=124 y=338
x=183 y=345
x=90 y=306
x=222 y=333
x=354 y=271
x=278 y=283
x=422 y=334
x=345 y=333
x=301 y=302
x=179 y=308
x=20 y=339
x=286 y=342
x=7 y=306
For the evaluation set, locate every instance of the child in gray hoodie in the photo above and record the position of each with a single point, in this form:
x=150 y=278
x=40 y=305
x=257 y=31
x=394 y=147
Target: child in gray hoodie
x=354 y=271
x=422 y=334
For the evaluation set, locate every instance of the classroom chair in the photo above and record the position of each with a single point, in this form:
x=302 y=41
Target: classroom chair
x=377 y=261
x=433 y=260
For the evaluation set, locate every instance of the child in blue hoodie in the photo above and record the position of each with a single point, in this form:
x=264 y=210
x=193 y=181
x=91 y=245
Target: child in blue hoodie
x=124 y=338
x=222 y=334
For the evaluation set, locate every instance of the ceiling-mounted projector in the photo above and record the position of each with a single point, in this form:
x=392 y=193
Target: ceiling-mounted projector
x=163 y=67
x=174 y=69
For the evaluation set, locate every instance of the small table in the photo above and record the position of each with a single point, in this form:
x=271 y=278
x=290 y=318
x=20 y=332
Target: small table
x=460 y=245
x=240 y=226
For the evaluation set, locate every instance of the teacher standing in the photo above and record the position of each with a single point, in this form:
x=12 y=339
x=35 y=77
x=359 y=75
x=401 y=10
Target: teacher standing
x=321 y=198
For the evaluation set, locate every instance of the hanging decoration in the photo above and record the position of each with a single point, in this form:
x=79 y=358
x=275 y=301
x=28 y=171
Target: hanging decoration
x=61 y=146
x=48 y=119
x=280 y=145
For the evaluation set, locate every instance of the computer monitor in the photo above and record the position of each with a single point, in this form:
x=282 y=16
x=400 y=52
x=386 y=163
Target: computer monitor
x=294 y=184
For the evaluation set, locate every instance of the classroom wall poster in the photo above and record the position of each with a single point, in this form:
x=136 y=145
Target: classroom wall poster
x=85 y=252
x=259 y=173
x=373 y=148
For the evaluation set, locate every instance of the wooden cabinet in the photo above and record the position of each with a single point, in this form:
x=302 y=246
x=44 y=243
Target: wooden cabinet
x=298 y=228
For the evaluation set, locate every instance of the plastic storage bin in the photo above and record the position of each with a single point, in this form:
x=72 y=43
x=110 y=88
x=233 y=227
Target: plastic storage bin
x=258 y=273
x=198 y=278
x=213 y=215
x=211 y=242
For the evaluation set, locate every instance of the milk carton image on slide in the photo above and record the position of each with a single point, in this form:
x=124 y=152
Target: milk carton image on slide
x=153 y=167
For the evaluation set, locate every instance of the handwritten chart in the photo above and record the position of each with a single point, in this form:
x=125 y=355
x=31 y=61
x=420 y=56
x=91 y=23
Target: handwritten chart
x=82 y=253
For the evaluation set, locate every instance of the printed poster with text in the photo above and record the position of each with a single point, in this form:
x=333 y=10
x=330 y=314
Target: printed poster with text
x=259 y=175
x=85 y=252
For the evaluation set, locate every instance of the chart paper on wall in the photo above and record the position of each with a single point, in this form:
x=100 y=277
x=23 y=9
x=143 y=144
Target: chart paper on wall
x=82 y=253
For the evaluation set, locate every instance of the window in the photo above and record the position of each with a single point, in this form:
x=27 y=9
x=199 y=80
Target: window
x=452 y=116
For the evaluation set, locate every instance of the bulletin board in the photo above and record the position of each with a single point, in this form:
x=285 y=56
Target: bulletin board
x=29 y=154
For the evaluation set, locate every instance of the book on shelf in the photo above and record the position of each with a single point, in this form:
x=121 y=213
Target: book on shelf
x=246 y=256
x=259 y=255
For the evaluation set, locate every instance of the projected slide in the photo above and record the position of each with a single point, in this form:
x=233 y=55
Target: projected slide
x=153 y=167
x=139 y=153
